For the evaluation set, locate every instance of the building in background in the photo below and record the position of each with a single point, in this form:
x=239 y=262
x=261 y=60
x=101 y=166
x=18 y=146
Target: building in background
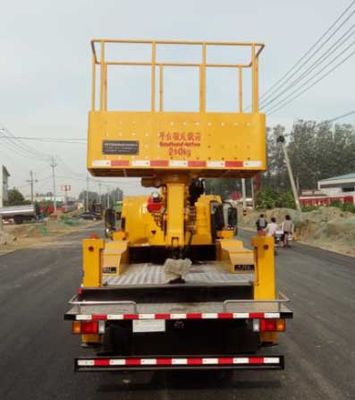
x=47 y=197
x=338 y=188
x=4 y=180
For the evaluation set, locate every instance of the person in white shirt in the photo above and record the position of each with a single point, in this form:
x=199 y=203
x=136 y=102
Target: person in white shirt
x=287 y=229
x=271 y=227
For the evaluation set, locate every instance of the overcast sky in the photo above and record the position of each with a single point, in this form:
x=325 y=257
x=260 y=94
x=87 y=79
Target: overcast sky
x=45 y=64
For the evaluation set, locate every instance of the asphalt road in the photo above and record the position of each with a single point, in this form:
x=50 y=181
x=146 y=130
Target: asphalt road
x=37 y=350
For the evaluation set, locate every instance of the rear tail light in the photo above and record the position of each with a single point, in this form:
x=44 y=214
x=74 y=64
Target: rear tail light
x=280 y=325
x=269 y=325
x=85 y=327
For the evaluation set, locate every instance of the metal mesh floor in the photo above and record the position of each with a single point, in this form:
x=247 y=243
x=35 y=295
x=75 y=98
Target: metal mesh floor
x=151 y=274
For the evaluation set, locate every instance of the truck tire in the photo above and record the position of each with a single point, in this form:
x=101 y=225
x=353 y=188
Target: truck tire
x=18 y=219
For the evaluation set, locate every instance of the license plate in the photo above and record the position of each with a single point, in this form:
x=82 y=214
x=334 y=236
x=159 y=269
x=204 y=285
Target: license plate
x=155 y=325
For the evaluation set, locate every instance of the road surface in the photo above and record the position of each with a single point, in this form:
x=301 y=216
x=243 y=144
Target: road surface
x=37 y=350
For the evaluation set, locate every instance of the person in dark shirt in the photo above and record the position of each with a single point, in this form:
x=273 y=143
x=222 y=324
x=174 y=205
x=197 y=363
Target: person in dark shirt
x=261 y=223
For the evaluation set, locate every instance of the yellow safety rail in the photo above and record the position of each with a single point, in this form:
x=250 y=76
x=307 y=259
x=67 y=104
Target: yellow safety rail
x=101 y=63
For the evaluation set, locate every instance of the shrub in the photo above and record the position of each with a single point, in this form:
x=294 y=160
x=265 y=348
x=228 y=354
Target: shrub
x=269 y=198
x=309 y=208
x=348 y=207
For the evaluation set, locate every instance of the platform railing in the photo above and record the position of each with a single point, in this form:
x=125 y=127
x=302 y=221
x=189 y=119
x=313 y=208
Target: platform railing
x=101 y=63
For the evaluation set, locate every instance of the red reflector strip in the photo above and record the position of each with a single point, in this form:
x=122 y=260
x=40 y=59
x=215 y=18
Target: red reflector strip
x=159 y=163
x=256 y=360
x=99 y=317
x=101 y=362
x=256 y=315
x=130 y=316
x=192 y=315
x=133 y=361
x=234 y=164
x=197 y=163
x=225 y=315
x=177 y=163
x=194 y=361
x=225 y=360
x=162 y=316
x=178 y=361
x=164 y=361
x=119 y=163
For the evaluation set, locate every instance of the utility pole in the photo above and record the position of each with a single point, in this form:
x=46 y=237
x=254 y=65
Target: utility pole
x=31 y=181
x=66 y=189
x=252 y=192
x=281 y=139
x=100 y=200
x=87 y=194
x=108 y=197
x=244 y=197
x=53 y=165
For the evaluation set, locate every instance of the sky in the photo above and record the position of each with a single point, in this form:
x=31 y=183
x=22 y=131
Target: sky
x=45 y=66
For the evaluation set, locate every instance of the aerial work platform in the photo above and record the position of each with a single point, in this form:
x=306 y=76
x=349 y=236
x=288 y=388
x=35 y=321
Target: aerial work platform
x=159 y=141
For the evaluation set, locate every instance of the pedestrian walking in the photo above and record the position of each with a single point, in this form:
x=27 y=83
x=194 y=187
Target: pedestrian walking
x=287 y=230
x=261 y=223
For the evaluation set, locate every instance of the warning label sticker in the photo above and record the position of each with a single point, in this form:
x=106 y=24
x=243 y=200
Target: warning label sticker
x=180 y=143
x=120 y=147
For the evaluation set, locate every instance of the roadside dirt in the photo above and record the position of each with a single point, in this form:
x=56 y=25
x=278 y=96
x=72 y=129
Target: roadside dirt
x=327 y=227
x=14 y=237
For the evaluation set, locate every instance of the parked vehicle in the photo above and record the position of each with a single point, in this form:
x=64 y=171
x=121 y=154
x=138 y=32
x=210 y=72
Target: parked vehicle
x=18 y=214
x=89 y=215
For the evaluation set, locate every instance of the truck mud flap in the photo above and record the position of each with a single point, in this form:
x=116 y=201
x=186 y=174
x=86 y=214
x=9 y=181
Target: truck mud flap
x=179 y=363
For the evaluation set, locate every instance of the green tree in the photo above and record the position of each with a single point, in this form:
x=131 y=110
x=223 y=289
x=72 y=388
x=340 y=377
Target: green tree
x=266 y=199
x=15 y=198
x=316 y=151
x=285 y=199
x=269 y=198
x=302 y=150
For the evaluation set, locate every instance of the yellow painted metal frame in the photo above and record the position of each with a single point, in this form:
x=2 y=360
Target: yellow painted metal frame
x=161 y=136
x=92 y=273
x=92 y=253
x=166 y=136
x=264 y=286
x=100 y=60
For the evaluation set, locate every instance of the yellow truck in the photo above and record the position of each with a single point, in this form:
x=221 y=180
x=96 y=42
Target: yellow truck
x=173 y=288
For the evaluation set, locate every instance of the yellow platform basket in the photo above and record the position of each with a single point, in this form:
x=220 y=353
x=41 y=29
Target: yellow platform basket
x=159 y=141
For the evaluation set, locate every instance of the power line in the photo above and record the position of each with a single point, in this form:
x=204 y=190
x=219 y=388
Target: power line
x=47 y=139
x=319 y=61
x=283 y=103
x=17 y=143
x=65 y=167
x=303 y=60
x=18 y=150
x=24 y=149
x=341 y=116
x=44 y=182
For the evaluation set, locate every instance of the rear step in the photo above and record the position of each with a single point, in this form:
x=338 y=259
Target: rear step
x=179 y=362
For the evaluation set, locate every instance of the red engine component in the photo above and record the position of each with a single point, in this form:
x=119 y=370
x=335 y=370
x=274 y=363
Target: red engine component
x=155 y=202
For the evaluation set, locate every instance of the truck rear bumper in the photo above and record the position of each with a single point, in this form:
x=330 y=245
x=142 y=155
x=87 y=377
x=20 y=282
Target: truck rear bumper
x=178 y=363
x=83 y=309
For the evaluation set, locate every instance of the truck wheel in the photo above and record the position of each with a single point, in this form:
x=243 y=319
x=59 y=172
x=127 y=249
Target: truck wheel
x=18 y=219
